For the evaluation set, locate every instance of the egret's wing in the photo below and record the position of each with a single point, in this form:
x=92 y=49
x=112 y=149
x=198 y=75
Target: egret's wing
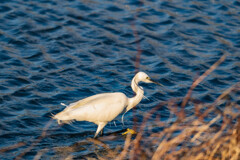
x=102 y=107
x=83 y=102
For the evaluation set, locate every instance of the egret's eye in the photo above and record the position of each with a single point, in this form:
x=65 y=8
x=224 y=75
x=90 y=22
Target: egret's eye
x=147 y=78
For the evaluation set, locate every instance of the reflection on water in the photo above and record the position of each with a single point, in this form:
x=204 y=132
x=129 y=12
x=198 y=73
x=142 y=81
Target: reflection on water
x=53 y=52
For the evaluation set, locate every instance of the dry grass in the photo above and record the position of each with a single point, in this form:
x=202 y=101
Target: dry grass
x=194 y=137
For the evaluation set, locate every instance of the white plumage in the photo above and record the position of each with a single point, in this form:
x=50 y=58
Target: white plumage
x=103 y=108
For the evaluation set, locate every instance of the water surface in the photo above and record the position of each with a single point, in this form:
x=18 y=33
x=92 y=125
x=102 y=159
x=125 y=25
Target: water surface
x=54 y=52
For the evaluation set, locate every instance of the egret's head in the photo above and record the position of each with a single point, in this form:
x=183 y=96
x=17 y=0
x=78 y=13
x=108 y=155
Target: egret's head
x=141 y=76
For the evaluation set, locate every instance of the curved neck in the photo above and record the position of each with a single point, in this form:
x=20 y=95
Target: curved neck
x=132 y=102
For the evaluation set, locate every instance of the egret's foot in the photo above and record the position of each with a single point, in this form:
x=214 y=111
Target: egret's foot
x=129 y=131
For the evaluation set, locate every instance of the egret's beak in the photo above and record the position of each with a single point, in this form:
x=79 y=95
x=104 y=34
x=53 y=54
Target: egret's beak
x=156 y=82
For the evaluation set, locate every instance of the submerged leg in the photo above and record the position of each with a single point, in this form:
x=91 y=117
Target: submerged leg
x=101 y=133
x=101 y=125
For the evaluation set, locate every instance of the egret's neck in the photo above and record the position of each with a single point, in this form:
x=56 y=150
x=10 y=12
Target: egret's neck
x=132 y=102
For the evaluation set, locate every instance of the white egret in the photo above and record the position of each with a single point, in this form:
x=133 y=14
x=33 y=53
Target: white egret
x=103 y=108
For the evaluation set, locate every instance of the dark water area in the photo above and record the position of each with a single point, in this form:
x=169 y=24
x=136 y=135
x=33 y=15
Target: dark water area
x=54 y=52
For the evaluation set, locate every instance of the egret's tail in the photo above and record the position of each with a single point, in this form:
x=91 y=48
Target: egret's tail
x=62 y=117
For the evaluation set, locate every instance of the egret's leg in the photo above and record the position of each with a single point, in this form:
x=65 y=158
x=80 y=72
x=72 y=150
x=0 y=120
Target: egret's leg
x=101 y=125
x=101 y=133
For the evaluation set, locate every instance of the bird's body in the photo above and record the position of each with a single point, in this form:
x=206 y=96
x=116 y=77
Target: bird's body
x=111 y=103
x=103 y=108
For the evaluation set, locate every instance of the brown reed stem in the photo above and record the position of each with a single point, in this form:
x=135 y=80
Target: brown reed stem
x=44 y=132
x=197 y=81
x=17 y=145
x=127 y=144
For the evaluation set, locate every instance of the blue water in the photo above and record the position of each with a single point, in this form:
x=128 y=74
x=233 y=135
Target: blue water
x=54 y=52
